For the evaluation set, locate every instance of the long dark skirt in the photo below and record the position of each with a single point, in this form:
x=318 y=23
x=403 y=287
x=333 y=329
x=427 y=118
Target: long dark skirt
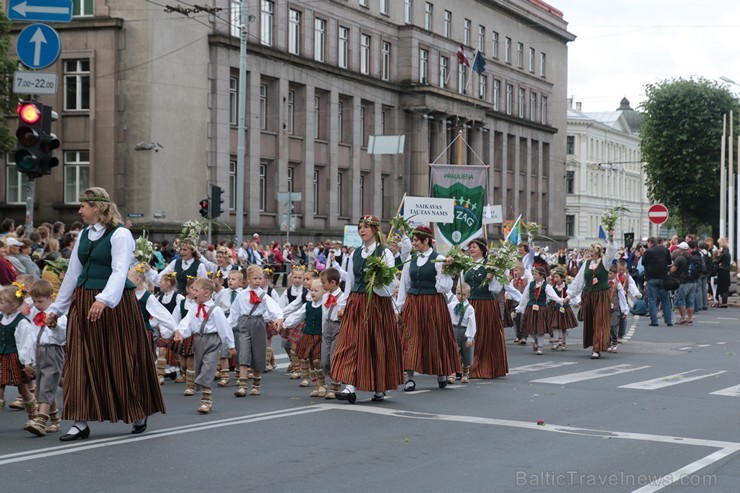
x=489 y=360
x=430 y=346
x=368 y=352
x=109 y=372
x=596 y=312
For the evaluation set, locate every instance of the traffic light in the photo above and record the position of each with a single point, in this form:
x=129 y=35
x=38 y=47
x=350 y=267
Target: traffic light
x=204 y=208
x=216 y=201
x=35 y=142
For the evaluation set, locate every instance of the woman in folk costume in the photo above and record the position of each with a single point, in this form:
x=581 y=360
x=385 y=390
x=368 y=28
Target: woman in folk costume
x=368 y=352
x=429 y=346
x=109 y=372
x=489 y=360
x=592 y=283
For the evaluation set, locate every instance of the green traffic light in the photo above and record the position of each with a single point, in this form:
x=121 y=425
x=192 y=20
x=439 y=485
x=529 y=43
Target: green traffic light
x=25 y=160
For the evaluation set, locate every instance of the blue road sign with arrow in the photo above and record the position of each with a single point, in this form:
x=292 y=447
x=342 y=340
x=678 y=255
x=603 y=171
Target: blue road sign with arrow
x=40 y=10
x=38 y=46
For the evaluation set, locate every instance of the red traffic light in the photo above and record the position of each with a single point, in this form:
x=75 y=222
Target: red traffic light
x=204 y=204
x=29 y=113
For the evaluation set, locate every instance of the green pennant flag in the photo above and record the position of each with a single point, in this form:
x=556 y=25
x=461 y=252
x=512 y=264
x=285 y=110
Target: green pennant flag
x=466 y=185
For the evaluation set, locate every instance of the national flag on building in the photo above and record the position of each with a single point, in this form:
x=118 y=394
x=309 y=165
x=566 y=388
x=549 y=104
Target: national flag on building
x=479 y=63
x=461 y=56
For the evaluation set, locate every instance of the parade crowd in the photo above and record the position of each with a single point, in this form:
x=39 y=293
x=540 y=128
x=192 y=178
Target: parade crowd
x=81 y=311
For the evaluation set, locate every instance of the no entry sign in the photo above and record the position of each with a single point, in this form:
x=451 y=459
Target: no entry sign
x=658 y=214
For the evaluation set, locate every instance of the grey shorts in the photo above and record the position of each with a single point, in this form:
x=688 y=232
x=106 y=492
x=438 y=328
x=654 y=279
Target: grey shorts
x=252 y=342
x=49 y=364
x=207 y=349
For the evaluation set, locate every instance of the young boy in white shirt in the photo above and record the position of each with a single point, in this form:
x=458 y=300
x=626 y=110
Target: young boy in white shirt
x=463 y=322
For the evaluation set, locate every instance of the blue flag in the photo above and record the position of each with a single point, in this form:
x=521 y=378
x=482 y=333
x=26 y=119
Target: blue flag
x=516 y=232
x=479 y=63
x=602 y=233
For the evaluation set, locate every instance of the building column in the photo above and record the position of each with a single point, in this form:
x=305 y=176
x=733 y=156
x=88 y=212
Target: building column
x=355 y=167
x=283 y=153
x=419 y=155
x=377 y=167
x=333 y=167
x=254 y=150
x=309 y=221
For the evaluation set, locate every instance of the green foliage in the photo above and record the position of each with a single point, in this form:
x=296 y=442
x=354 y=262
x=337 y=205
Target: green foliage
x=8 y=100
x=681 y=134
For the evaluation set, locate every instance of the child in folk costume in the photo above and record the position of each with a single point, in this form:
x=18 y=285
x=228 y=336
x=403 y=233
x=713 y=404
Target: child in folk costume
x=185 y=347
x=619 y=307
x=429 y=345
x=189 y=265
x=16 y=354
x=211 y=328
x=48 y=351
x=463 y=320
x=171 y=300
x=562 y=318
x=330 y=279
x=271 y=362
x=520 y=279
x=533 y=307
x=295 y=293
x=225 y=299
x=309 y=348
x=630 y=289
x=296 y=333
x=250 y=311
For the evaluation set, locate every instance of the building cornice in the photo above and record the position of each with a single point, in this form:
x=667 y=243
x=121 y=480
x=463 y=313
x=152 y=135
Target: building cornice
x=79 y=23
x=535 y=21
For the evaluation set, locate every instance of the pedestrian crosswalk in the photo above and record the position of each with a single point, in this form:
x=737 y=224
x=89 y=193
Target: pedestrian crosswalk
x=590 y=374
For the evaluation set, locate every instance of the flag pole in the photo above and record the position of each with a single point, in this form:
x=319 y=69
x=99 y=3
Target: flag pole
x=459 y=147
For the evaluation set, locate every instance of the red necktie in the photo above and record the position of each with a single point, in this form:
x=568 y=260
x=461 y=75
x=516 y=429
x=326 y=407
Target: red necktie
x=331 y=300
x=202 y=311
x=40 y=319
x=254 y=298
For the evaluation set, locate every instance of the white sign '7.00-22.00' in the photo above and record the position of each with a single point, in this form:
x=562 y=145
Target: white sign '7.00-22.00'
x=34 y=83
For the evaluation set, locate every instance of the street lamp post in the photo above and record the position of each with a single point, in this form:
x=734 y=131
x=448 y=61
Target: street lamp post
x=734 y=245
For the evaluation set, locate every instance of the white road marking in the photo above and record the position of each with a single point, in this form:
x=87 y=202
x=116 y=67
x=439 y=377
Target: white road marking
x=729 y=391
x=703 y=345
x=545 y=365
x=678 y=378
x=632 y=329
x=685 y=348
x=606 y=371
x=706 y=322
x=720 y=343
x=686 y=471
x=728 y=318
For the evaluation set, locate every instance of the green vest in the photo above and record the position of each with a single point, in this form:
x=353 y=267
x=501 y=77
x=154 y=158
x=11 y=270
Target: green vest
x=182 y=275
x=541 y=299
x=358 y=268
x=313 y=320
x=147 y=316
x=474 y=278
x=424 y=278
x=602 y=277
x=183 y=310
x=7 y=335
x=96 y=259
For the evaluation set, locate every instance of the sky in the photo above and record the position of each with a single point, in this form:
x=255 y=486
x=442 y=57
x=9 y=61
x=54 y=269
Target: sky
x=622 y=45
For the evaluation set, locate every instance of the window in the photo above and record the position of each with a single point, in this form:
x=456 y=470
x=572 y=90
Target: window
x=316 y=116
x=343 y=50
x=408 y=14
x=363 y=125
x=444 y=71
x=382 y=122
x=385 y=64
x=481 y=38
x=543 y=110
x=291 y=112
x=423 y=66
x=507 y=50
x=263 y=106
x=461 y=78
x=522 y=96
x=532 y=106
x=466 y=32
x=365 y=41
x=294 y=32
x=384 y=7
x=236 y=20
x=428 y=8
x=232 y=185
x=494 y=44
x=482 y=86
x=82 y=8
x=362 y=192
x=315 y=191
x=77 y=85
x=319 y=35
x=509 y=95
x=15 y=182
x=363 y=3
x=76 y=175
x=447 y=26
x=496 y=94
x=268 y=7
x=382 y=194
x=531 y=60
x=570 y=144
x=520 y=55
x=263 y=187
x=233 y=100
x=291 y=174
x=339 y=194
x=570 y=225
x=340 y=121
x=543 y=59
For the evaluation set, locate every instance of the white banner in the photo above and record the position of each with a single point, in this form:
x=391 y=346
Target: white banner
x=429 y=209
x=351 y=237
x=493 y=214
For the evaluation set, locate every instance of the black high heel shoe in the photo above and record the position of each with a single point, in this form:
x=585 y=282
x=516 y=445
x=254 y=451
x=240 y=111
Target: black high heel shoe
x=137 y=429
x=80 y=435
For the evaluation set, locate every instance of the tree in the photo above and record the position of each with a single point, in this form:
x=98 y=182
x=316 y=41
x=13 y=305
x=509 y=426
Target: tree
x=7 y=98
x=680 y=141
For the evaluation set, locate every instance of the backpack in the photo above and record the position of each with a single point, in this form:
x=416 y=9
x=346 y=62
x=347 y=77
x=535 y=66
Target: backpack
x=696 y=267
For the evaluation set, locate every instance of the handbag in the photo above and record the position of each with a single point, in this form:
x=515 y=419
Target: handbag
x=671 y=283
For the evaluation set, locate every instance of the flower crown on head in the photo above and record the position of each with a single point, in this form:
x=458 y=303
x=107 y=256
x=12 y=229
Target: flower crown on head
x=172 y=275
x=94 y=199
x=422 y=232
x=21 y=289
x=141 y=268
x=267 y=270
x=299 y=267
x=368 y=219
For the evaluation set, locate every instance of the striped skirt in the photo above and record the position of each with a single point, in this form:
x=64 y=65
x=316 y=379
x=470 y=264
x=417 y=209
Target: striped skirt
x=186 y=347
x=293 y=334
x=109 y=373
x=509 y=306
x=536 y=322
x=368 y=352
x=596 y=311
x=11 y=370
x=562 y=320
x=489 y=359
x=309 y=347
x=429 y=344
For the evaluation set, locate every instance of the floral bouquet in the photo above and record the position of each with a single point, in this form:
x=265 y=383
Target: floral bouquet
x=144 y=249
x=398 y=226
x=58 y=266
x=531 y=228
x=500 y=262
x=378 y=273
x=609 y=218
x=193 y=229
x=461 y=262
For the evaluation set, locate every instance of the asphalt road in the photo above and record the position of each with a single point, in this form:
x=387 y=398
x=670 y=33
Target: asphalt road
x=658 y=416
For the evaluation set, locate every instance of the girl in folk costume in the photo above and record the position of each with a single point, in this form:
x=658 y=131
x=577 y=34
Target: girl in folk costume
x=429 y=346
x=292 y=335
x=619 y=307
x=490 y=360
x=109 y=374
x=562 y=317
x=520 y=279
x=189 y=265
x=592 y=283
x=630 y=289
x=225 y=299
x=185 y=349
x=171 y=300
x=533 y=307
x=272 y=331
x=16 y=349
x=305 y=369
x=368 y=354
